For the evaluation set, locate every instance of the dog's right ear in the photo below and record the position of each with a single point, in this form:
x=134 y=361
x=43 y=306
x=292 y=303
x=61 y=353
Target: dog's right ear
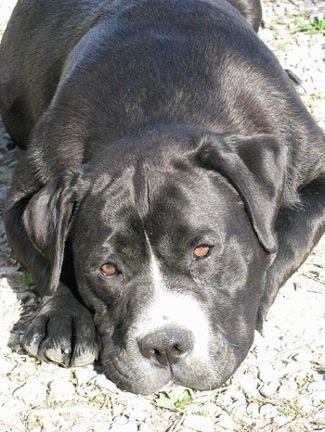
x=48 y=215
x=256 y=167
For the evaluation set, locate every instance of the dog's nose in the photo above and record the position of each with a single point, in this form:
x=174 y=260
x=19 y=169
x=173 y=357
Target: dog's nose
x=166 y=346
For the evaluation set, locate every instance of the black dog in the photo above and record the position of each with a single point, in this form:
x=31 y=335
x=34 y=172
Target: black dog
x=172 y=182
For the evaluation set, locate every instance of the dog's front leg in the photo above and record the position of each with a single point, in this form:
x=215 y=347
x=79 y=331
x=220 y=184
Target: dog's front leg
x=62 y=331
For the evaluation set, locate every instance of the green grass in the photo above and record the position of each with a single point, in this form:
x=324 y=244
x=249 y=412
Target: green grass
x=317 y=25
x=175 y=399
x=28 y=282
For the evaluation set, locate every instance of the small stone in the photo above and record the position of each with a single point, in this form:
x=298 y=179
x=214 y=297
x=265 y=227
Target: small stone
x=84 y=375
x=212 y=409
x=237 y=396
x=31 y=393
x=124 y=425
x=305 y=404
x=137 y=414
x=318 y=376
x=198 y=423
x=320 y=416
x=317 y=390
x=268 y=373
x=253 y=410
x=5 y=350
x=268 y=411
x=6 y=366
x=317 y=386
x=281 y=420
x=249 y=386
x=286 y=391
x=226 y=422
x=61 y=388
x=88 y=390
x=62 y=373
x=238 y=410
x=224 y=399
x=269 y=389
x=102 y=382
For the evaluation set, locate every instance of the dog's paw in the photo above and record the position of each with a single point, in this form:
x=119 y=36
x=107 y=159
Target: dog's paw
x=62 y=333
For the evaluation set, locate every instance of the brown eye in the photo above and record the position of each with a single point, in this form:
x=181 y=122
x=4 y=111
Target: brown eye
x=202 y=251
x=108 y=269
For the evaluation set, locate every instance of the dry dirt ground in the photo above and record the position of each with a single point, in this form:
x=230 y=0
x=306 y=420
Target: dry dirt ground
x=281 y=384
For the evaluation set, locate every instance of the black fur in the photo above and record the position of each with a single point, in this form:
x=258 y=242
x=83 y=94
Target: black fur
x=155 y=130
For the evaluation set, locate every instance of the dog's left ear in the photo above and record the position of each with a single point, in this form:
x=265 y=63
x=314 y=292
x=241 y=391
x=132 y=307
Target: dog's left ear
x=47 y=219
x=256 y=167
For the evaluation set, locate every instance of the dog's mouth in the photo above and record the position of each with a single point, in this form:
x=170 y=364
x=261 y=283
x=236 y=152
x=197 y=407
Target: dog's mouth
x=148 y=381
x=133 y=372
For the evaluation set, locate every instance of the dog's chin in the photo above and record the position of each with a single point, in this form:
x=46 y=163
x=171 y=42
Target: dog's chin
x=145 y=378
x=150 y=383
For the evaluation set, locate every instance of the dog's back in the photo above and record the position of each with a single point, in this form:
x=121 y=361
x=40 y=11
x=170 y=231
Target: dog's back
x=199 y=63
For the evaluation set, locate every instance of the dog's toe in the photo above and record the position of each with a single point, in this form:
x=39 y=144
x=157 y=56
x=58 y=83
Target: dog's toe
x=88 y=357
x=58 y=355
x=34 y=335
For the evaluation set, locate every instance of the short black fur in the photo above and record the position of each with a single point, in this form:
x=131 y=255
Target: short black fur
x=154 y=129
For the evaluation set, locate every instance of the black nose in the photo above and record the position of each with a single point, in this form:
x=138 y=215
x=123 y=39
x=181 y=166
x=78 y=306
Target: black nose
x=167 y=345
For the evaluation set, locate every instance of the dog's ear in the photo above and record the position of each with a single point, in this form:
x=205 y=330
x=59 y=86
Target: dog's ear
x=47 y=219
x=256 y=167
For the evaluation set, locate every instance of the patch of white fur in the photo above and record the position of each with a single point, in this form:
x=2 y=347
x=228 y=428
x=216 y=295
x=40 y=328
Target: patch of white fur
x=174 y=309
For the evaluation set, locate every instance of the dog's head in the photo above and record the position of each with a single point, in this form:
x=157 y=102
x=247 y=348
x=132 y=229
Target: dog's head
x=172 y=234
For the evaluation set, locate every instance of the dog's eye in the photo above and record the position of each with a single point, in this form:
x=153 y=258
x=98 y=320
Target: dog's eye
x=202 y=251
x=108 y=269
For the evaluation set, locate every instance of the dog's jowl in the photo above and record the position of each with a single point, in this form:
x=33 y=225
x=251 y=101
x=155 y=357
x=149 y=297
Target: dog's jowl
x=171 y=182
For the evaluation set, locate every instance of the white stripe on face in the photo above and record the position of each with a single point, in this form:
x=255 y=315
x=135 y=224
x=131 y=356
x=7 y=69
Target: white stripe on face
x=156 y=274
x=174 y=310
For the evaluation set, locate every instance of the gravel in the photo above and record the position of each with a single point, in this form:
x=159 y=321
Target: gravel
x=281 y=384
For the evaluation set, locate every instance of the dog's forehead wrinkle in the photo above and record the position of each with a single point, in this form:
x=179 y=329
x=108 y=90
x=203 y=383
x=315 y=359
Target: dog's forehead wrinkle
x=111 y=192
x=148 y=181
x=141 y=187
